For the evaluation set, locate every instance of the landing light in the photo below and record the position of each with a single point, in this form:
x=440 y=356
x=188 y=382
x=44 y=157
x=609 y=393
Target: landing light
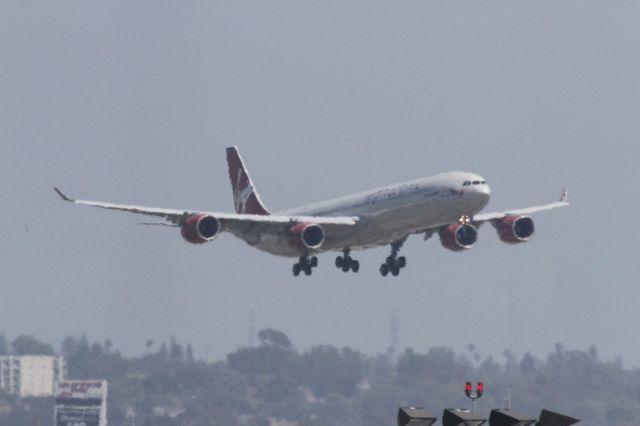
x=464 y=219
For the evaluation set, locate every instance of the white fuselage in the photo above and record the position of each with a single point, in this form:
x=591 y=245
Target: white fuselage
x=390 y=213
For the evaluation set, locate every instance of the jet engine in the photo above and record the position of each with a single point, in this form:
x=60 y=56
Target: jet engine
x=200 y=228
x=458 y=237
x=514 y=229
x=306 y=235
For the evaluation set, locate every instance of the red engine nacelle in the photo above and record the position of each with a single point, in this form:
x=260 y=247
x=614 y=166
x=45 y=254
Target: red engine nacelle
x=200 y=228
x=458 y=237
x=306 y=235
x=514 y=229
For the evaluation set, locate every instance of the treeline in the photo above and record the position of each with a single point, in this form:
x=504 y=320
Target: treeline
x=274 y=384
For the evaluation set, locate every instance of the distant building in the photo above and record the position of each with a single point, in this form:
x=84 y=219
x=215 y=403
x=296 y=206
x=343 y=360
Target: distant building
x=31 y=375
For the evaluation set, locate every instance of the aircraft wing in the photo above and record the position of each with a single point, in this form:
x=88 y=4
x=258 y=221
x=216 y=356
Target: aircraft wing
x=233 y=222
x=487 y=217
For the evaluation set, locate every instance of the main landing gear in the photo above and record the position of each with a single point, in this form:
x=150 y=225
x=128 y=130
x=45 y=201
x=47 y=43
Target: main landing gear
x=346 y=262
x=305 y=264
x=394 y=263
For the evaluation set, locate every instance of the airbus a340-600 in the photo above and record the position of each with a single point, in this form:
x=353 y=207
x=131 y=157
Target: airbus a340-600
x=448 y=204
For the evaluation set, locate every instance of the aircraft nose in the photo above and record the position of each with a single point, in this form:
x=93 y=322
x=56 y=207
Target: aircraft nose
x=482 y=192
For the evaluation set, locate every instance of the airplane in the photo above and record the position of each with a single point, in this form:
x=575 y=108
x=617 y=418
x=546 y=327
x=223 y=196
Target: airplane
x=448 y=204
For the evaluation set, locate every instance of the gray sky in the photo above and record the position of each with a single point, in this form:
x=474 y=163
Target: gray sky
x=135 y=101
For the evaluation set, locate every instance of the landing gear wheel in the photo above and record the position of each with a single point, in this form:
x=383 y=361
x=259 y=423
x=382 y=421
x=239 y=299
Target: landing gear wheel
x=384 y=269
x=305 y=264
x=395 y=270
x=346 y=262
x=393 y=263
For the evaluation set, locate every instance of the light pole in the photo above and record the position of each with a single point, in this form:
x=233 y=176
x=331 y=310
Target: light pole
x=473 y=396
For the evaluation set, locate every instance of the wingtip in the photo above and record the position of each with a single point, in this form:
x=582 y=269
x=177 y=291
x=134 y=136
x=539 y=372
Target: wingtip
x=62 y=194
x=564 y=197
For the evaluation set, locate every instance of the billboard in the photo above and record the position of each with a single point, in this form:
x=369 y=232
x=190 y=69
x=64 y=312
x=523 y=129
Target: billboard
x=77 y=416
x=81 y=403
x=82 y=389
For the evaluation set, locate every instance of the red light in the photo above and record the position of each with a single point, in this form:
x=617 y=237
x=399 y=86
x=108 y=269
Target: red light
x=467 y=388
x=480 y=389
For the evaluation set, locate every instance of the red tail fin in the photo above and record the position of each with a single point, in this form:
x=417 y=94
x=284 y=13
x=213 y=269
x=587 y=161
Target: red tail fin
x=245 y=196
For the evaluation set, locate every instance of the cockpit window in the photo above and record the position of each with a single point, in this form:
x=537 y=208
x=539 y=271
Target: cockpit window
x=483 y=182
x=476 y=182
x=466 y=183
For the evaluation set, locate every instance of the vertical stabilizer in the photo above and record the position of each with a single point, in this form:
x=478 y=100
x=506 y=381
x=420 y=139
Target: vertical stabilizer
x=245 y=196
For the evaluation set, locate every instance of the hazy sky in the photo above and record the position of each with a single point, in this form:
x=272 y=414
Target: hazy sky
x=135 y=101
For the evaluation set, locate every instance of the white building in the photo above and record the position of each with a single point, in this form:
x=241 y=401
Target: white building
x=31 y=375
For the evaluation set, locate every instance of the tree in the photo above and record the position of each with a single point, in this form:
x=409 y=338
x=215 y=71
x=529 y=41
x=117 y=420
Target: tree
x=29 y=345
x=69 y=347
x=263 y=360
x=274 y=338
x=328 y=370
x=4 y=345
x=528 y=365
x=163 y=352
x=96 y=349
x=189 y=353
x=439 y=364
x=175 y=350
x=274 y=355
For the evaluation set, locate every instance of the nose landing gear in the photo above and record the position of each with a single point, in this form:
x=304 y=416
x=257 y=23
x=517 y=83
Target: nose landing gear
x=305 y=264
x=346 y=262
x=393 y=263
